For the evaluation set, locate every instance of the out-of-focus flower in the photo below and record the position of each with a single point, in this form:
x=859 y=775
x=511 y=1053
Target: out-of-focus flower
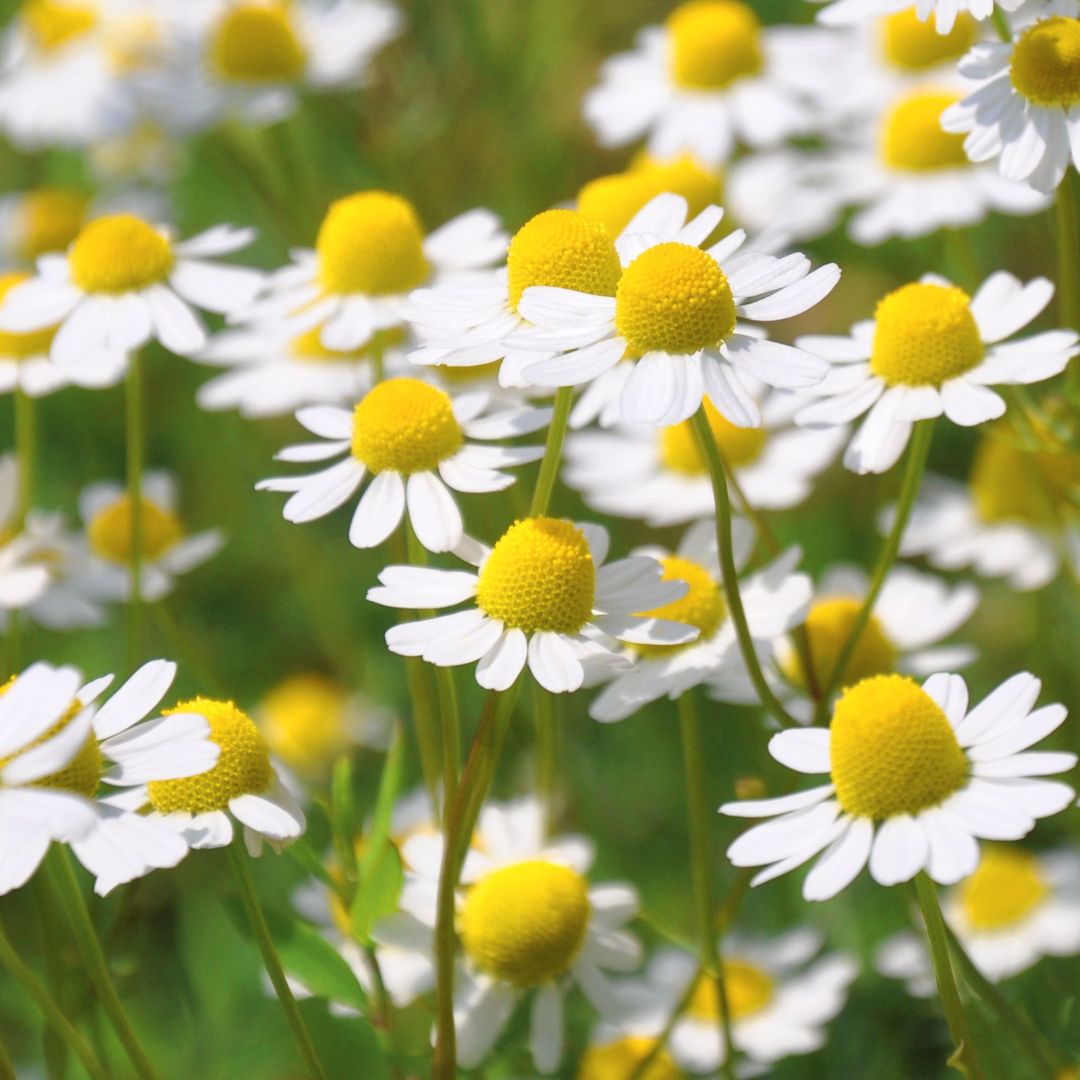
x=38 y=222
x=947 y=13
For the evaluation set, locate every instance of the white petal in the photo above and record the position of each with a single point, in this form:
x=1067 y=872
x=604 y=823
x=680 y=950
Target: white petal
x=900 y=851
x=434 y=514
x=841 y=862
x=379 y=511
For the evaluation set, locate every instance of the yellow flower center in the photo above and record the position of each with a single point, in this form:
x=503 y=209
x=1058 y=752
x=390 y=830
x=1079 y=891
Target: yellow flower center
x=749 y=990
x=82 y=774
x=373 y=243
x=525 y=923
x=243 y=766
x=1005 y=888
x=54 y=24
x=118 y=254
x=257 y=43
x=911 y=135
x=713 y=43
x=405 y=426
x=303 y=719
x=1046 y=62
x=925 y=335
x=539 y=577
x=563 y=249
x=703 y=605
x=679 y=450
x=20 y=346
x=915 y=45
x=49 y=219
x=893 y=750
x=110 y=530
x=620 y=1059
x=673 y=298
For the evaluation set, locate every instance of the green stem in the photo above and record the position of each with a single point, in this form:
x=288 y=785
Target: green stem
x=384 y=1019
x=55 y=1053
x=62 y=876
x=549 y=464
x=964 y=1056
x=909 y=490
x=26 y=454
x=253 y=908
x=547 y=753
x=135 y=450
x=698 y=814
x=53 y=1014
x=717 y=475
x=1001 y=25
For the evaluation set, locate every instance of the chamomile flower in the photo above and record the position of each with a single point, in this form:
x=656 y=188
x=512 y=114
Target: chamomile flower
x=530 y=926
x=542 y=596
x=36 y=222
x=614 y=1053
x=122 y=283
x=415 y=442
x=659 y=475
x=673 y=320
x=1017 y=907
x=24 y=357
x=915 y=779
x=946 y=12
x=775 y=599
x=370 y=253
x=932 y=349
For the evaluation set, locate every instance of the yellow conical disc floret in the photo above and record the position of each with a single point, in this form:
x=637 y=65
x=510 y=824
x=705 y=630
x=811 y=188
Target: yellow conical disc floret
x=703 y=605
x=110 y=530
x=909 y=43
x=925 y=335
x=893 y=750
x=119 y=254
x=673 y=298
x=679 y=450
x=304 y=721
x=539 y=577
x=713 y=43
x=749 y=990
x=372 y=243
x=828 y=626
x=1046 y=62
x=912 y=138
x=20 y=346
x=622 y=1058
x=53 y=23
x=405 y=426
x=525 y=923
x=243 y=766
x=563 y=249
x=257 y=43
x=1005 y=889
x=49 y=219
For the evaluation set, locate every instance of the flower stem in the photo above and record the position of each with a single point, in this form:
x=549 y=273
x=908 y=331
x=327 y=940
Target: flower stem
x=549 y=464
x=135 y=449
x=964 y=1055
x=1001 y=25
x=547 y=753
x=26 y=454
x=62 y=876
x=717 y=475
x=698 y=814
x=254 y=911
x=909 y=490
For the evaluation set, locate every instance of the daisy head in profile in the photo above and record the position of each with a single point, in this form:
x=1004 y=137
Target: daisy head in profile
x=408 y=443
x=930 y=350
x=915 y=780
x=122 y=283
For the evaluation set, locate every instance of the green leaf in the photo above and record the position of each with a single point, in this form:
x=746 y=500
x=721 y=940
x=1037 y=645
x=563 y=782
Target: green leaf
x=377 y=894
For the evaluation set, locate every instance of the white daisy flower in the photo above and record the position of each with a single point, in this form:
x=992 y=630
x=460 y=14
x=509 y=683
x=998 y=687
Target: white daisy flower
x=947 y=13
x=674 y=315
x=659 y=476
x=710 y=78
x=370 y=253
x=542 y=596
x=25 y=365
x=415 y=442
x=167 y=550
x=122 y=283
x=1017 y=907
x=617 y=1050
x=775 y=599
x=529 y=924
x=932 y=349
x=68 y=748
x=915 y=780
x=39 y=221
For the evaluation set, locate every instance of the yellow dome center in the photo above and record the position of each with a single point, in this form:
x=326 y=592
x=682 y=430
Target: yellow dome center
x=1006 y=888
x=925 y=335
x=563 y=249
x=110 y=530
x=618 y=1060
x=539 y=577
x=714 y=42
x=679 y=450
x=911 y=135
x=674 y=298
x=373 y=243
x=912 y=44
x=20 y=346
x=703 y=605
x=893 y=750
x=405 y=426
x=49 y=219
x=243 y=766
x=525 y=923
x=749 y=990
x=1046 y=62
x=53 y=24
x=303 y=719
x=257 y=43
x=119 y=254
